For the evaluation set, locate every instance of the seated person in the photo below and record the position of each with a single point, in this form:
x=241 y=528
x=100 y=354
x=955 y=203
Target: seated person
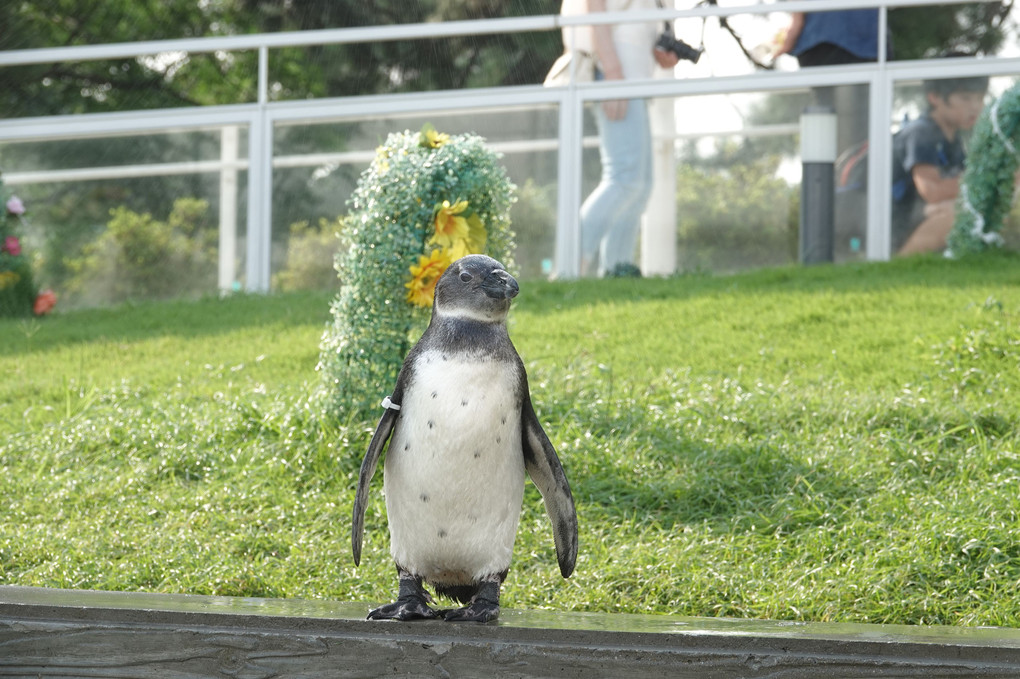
x=928 y=161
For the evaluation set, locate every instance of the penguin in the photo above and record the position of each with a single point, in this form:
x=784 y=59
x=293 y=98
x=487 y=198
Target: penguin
x=462 y=435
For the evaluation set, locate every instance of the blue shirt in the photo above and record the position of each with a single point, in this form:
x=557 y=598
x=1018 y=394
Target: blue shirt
x=855 y=30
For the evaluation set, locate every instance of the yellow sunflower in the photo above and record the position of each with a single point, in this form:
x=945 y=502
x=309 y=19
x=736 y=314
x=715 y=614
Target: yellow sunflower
x=421 y=289
x=430 y=138
x=382 y=159
x=450 y=225
x=8 y=279
x=458 y=229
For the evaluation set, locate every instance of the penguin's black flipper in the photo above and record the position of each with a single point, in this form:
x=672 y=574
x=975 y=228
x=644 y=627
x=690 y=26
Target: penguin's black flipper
x=375 y=448
x=547 y=473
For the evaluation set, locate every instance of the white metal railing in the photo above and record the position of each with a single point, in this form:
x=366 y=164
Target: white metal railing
x=261 y=116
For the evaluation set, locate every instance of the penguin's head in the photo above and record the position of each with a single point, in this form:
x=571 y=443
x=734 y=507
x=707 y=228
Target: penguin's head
x=475 y=287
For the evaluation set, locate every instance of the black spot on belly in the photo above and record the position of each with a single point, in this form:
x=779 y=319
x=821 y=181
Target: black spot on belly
x=424 y=497
x=499 y=439
x=463 y=401
x=435 y=393
x=431 y=424
x=442 y=533
x=503 y=421
x=407 y=446
x=478 y=454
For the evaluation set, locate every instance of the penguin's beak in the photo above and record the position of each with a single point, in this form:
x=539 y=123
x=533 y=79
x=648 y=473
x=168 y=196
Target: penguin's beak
x=500 y=285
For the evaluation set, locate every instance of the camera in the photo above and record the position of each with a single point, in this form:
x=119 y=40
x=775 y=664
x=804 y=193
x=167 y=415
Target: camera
x=668 y=42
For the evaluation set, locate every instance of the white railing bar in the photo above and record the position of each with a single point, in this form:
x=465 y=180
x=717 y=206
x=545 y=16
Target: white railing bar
x=339 y=108
x=341 y=157
x=82 y=174
x=285 y=117
x=786 y=80
x=125 y=123
x=952 y=67
x=481 y=99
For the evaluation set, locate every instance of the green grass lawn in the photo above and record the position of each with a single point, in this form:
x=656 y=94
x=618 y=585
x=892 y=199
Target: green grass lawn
x=831 y=443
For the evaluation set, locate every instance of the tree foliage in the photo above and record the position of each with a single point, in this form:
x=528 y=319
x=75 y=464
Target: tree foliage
x=934 y=30
x=189 y=79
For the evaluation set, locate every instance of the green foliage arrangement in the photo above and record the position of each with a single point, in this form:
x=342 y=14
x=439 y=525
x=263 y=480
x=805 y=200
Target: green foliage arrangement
x=139 y=257
x=19 y=295
x=426 y=199
x=987 y=188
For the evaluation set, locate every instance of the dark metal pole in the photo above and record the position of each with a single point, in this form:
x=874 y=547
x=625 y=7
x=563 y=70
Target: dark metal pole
x=817 y=189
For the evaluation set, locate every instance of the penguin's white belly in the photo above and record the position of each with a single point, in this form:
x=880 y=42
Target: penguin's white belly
x=454 y=472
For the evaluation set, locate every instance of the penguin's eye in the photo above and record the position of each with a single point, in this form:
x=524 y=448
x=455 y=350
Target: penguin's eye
x=465 y=276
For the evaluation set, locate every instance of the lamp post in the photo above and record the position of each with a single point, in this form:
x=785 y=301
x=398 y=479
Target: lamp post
x=818 y=158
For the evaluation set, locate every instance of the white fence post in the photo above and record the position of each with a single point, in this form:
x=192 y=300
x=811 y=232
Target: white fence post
x=568 y=206
x=260 y=187
x=658 y=226
x=228 y=208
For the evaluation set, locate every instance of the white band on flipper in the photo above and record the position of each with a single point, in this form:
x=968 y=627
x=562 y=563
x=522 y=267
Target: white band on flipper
x=390 y=405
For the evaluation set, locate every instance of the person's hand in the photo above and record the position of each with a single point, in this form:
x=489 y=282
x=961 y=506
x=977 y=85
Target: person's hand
x=782 y=42
x=664 y=58
x=786 y=40
x=615 y=109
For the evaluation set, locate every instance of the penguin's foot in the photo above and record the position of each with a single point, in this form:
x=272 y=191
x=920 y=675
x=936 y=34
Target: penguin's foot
x=412 y=601
x=403 y=609
x=477 y=611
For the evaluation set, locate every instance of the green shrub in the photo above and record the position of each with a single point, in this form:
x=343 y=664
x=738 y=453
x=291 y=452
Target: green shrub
x=734 y=219
x=987 y=188
x=139 y=257
x=310 y=254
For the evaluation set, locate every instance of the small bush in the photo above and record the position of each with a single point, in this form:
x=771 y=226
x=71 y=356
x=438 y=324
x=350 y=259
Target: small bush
x=139 y=257
x=310 y=254
x=734 y=219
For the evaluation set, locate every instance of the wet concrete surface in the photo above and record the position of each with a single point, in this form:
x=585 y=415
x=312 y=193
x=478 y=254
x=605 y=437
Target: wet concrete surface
x=49 y=632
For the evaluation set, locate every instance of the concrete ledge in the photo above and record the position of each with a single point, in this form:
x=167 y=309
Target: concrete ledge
x=66 y=633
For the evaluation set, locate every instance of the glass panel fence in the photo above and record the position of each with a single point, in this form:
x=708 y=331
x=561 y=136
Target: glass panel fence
x=146 y=216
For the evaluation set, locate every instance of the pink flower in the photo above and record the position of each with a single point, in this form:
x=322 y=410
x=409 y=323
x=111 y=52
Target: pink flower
x=12 y=245
x=15 y=206
x=44 y=303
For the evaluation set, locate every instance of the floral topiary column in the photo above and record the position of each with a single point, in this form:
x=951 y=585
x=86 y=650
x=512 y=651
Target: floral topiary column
x=426 y=200
x=986 y=191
